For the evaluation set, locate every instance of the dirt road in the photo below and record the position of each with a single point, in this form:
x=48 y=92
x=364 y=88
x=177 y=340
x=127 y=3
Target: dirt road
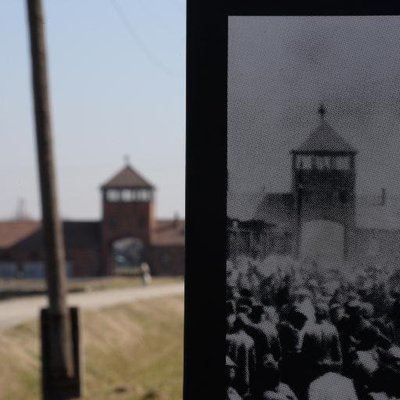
x=14 y=312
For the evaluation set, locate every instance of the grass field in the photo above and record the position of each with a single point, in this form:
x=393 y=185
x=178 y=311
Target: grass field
x=131 y=352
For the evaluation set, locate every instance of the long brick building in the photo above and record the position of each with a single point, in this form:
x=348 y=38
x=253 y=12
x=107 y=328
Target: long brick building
x=128 y=234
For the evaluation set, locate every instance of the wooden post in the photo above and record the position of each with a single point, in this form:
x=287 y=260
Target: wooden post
x=60 y=364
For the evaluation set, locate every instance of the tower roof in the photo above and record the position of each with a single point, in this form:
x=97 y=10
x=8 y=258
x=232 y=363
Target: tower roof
x=127 y=178
x=324 y=139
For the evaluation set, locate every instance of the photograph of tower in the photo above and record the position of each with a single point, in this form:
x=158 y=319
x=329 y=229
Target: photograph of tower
x=313 y=207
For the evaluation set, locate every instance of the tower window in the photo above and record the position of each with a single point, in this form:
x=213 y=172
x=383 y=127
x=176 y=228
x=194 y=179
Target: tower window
x=342 y=163
x=113 y=195
x=323 y=162
x=126 y=195
x=303 y=162
x=143 y=195
x=147 y=195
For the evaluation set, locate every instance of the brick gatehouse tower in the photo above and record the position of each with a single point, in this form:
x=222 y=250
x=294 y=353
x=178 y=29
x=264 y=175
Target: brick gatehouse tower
x=128 y=212
x=323 y=186
x=127 y=235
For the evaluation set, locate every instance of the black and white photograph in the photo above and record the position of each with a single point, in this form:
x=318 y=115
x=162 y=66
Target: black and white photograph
x=313 y=208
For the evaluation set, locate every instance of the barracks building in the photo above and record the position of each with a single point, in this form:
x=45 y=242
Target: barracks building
x=127 y=235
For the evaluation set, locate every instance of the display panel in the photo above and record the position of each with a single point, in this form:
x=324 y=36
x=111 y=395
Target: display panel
x=259 y=82
x=313 y=207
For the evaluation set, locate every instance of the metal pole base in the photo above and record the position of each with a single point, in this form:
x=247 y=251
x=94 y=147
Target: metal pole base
x=60 y=388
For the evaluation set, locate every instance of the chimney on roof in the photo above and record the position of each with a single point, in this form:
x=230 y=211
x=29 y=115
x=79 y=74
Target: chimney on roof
x=21 y=213
x=176 y=219
x=383 y=196
x=321 y=111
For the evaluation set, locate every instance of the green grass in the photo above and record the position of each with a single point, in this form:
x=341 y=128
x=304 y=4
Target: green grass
x=131 y=352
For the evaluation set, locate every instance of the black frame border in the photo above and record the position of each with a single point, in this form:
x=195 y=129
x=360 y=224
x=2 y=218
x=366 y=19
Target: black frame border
x=206 y=175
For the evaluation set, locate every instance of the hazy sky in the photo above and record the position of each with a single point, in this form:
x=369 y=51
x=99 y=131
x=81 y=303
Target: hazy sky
x=117 y=80
x=281 y=68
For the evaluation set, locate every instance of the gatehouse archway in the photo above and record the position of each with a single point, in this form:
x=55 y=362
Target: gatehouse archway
x=323 y=241
x=127 y=253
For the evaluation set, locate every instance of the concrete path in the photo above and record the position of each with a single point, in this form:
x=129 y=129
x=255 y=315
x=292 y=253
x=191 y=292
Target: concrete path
x=14 y=312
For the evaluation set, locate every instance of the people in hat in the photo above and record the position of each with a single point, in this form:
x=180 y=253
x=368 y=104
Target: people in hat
x=321 y=345
x=272 y=388
x=266 y=342
x=241 y=350
x=231 y=393
x=307 y=333
x=291 y=333
x=332 y=386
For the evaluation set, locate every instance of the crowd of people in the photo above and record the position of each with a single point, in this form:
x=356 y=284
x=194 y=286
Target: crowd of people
x=309 y=332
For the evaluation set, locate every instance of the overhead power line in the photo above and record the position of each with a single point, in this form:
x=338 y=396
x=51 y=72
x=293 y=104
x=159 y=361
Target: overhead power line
x=157 y=19
x=138 y=40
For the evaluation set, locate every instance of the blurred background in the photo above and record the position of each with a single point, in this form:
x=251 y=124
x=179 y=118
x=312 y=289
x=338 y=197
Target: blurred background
x=117 y=86
x=117 y=96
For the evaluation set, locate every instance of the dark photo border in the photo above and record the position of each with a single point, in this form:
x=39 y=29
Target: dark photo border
x=206 y=177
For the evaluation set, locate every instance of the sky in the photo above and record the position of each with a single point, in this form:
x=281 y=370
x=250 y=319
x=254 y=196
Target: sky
x=282 y=68
x=117 y=89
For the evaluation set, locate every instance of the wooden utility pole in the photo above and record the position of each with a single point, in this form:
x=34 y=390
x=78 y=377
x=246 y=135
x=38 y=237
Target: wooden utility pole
x=58 y=350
